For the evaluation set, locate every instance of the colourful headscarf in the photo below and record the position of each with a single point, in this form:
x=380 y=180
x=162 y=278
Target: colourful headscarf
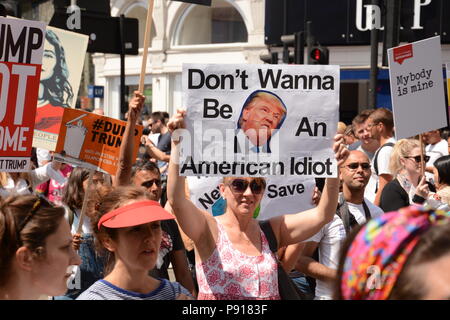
x=380 y=249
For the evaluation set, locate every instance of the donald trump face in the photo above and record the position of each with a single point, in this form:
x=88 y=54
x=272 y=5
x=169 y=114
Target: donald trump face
x=261 y=116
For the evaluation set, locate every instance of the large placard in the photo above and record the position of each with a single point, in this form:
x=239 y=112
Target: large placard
x=259 y=120
x=21 y=48
x=417 y=88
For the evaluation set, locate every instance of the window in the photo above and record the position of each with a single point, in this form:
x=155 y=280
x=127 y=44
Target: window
x=220 y=23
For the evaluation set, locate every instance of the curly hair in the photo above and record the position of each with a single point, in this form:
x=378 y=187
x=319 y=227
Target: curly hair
x=58 y=90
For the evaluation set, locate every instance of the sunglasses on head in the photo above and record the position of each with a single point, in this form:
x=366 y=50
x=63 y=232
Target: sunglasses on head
x=417 y=158
x=149 y=183
x=240 y=185
x=355 y=165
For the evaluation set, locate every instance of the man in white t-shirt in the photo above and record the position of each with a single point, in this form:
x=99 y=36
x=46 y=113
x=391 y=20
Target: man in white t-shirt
x=380 y=126
x=436 y=148
x=353 y=210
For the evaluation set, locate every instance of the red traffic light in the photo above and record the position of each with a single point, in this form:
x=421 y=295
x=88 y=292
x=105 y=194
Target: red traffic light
x=319 y=55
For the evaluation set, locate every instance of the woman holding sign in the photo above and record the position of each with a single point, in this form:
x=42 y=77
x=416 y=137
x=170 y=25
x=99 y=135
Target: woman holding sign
x=233 y=257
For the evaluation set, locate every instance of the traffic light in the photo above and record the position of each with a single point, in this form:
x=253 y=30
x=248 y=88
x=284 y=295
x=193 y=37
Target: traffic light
x=295 y=41
x=9 y=8
x=319 y=55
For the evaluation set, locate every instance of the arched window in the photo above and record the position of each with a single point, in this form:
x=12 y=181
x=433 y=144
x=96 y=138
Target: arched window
x=140 y=13
x=220 y=23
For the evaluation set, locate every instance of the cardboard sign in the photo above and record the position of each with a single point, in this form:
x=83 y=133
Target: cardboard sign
x=62 y=65
x=21 y=48
x=92 y=141
x=259 y=120
x=417 y=90
x=283 y=195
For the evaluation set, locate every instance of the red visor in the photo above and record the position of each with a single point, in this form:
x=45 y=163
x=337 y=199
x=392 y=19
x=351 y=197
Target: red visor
x=135 y=214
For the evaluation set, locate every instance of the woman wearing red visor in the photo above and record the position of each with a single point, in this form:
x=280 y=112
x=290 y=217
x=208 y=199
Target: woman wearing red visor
x=127 y=225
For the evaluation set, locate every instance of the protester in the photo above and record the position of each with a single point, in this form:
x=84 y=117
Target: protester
x=353 y=210
x=369 y=146
x=91 y=268
x=401 y=255
x=35 y=248
x=233 y=258
x=349 y=138
x=435 y=148
x=23 y=183
x=52 y=189
x=380 y=126
x=442 y=180
x=127 y=224
x=408 y=187
x=146 y=175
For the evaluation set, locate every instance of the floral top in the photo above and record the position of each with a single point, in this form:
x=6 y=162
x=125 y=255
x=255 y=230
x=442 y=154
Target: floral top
x=229 y=274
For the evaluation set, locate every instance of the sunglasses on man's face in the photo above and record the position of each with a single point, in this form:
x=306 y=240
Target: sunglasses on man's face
x=149 y=183
x=417 y=158
x=241 y=185
x=355 y=165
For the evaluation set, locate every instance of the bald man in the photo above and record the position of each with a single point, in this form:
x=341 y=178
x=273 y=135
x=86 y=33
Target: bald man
x=353 y=210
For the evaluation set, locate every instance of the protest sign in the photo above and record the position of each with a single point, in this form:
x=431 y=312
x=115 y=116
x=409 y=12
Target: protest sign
x=259 y=120
x=21 y=48
x=62 y=65
x=417 y=90
x=92 y=141
x=447 y=67
x=283 y=195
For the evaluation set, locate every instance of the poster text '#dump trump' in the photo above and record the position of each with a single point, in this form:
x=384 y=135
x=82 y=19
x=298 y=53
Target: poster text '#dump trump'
x=259 y=120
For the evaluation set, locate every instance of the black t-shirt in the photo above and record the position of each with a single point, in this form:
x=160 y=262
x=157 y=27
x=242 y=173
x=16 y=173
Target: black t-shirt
x=171 y=241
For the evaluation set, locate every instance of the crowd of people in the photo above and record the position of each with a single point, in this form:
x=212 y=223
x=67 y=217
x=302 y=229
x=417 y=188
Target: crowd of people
x=380 y=230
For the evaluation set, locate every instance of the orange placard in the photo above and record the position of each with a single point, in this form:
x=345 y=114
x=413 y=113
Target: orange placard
x=21 y=48
x=92 y=141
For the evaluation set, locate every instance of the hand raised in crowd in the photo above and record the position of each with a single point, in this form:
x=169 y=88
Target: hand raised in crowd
x=135 y=106
x=76 y=241
x=340 y=149
x=147 y=142
x=423 y=189
x=177 y=121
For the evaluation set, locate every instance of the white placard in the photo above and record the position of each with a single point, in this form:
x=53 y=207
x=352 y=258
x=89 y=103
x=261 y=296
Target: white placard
x=417 y=90
x=260 y=120
x=283 y=195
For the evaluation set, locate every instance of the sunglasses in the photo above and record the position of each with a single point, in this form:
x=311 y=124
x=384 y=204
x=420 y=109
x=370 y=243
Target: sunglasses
x=355 y=165
x=240 y=185
x=417 y=158
x=149 y=183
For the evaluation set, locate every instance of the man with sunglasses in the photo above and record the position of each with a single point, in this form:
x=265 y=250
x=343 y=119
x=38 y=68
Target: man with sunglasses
x=353 y=210
x=380 y=126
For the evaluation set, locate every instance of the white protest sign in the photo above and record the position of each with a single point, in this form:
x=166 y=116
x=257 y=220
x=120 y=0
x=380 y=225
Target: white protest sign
x=283 y=195
x=259 y=120
x=417 y=90
x=21 y=50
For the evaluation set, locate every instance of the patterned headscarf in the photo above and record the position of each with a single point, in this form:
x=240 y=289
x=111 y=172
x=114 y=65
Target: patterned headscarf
x=380 y=249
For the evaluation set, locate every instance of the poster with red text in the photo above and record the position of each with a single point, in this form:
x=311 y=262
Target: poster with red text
x=21 y=49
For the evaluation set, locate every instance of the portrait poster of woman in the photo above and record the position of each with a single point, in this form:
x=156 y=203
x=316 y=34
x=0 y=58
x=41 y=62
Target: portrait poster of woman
x=62 y=65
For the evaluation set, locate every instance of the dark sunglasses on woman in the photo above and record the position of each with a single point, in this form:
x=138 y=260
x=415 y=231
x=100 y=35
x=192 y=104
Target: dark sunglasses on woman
x=240 y=185
x=417 y=158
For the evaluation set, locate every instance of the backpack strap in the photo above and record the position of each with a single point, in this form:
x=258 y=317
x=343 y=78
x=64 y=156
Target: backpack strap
x=268 y=232
x=343 y=213
x=366 y=211
x=375 y=158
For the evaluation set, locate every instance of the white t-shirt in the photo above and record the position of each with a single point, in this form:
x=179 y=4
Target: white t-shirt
x=330 y=239
x=435 y=151
x=384 y=156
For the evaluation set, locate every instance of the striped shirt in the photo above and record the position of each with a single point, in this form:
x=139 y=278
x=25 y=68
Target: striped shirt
x=104 y=290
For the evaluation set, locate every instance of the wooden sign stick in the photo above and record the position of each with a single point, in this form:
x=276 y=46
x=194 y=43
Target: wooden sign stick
x=422 y=169
x=148 y=30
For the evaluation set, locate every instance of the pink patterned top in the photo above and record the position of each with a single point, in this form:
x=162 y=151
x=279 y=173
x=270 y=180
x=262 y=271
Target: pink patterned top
x=229 y=274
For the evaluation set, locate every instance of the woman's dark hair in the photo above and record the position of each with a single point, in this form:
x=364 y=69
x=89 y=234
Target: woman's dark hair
x=443 y=167
x=73 y=193
x=58 y=90
x=25 y=221
x=432 y=245
x=106 y=199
